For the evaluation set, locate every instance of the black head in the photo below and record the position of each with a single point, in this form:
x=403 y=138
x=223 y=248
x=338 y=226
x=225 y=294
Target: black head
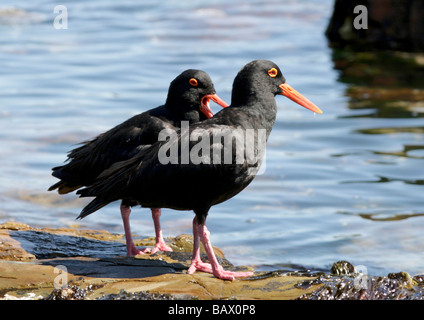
x=261 y=81
x=190 y=92
x=257 y=79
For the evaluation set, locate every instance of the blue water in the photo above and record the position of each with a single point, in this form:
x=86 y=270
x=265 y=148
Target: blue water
x=335 y=186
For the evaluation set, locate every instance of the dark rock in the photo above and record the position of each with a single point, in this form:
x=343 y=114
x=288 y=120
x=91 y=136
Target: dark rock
x=45 y=245
x=115 y=267
x=69 y=292
x=342 y=268
x=394 y=286
x=123 y=295
x=392 y=24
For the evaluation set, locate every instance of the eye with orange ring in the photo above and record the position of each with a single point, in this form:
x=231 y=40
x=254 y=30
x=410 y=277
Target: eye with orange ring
x=193 y=82
x=272 y=72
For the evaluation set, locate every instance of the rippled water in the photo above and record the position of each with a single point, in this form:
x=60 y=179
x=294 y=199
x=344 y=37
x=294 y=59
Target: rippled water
x=347 y=184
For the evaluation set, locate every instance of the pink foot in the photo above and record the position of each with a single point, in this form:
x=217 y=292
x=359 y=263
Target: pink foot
x=133 y=251
x=196 y=262
x=199 y=265
x=159 y=246
x=131 y=248
x=201 y=232
x=220 y=273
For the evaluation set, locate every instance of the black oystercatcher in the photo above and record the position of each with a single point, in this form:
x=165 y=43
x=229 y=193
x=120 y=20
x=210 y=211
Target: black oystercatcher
x=188 y=100
x=224 y=168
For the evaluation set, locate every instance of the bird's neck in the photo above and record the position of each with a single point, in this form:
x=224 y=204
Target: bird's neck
x=182 y=111
x=262 y=115
x=260 y=107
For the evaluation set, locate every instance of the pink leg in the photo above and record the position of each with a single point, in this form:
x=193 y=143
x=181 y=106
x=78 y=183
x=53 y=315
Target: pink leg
x=160 y=244
x=131 y=249
x=217 y=269
x=196 y=262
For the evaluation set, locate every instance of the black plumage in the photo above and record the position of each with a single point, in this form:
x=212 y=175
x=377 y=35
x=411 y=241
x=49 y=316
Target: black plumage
x=183 y=103
x=187 y=100
x=145 y=180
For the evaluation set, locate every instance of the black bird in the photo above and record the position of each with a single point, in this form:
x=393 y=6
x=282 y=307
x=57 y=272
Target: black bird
x=226 y=165
x=188 y=100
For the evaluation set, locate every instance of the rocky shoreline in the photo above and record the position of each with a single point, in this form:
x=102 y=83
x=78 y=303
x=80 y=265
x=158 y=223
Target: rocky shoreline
x=74 y=264
x=78 y=264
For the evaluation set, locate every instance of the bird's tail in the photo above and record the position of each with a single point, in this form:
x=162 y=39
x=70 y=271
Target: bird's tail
x=67 y=183
x=111 y=182
x=107 y=188
x=93 y=206
x=63 y=187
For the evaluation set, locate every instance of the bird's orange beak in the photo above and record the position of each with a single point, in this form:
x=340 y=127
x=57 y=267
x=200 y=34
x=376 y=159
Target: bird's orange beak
x=295 y=96
x=205 y=107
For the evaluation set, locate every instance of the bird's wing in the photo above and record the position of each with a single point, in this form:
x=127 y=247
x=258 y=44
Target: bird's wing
x=154 y=177
x=122 y=142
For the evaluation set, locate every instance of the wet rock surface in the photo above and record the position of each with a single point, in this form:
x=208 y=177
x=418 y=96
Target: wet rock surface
x=74 y=264
x=346 y=283
x=44 y=245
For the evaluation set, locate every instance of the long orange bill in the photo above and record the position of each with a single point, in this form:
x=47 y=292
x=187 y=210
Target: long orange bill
x=205 y=107
x=295 y=96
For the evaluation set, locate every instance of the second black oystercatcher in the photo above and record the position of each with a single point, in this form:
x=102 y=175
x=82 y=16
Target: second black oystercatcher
x=224 y=155
x=188 y=100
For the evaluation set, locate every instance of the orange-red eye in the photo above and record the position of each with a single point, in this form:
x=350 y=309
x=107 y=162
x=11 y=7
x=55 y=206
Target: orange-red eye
x=193 y=82
x=272 y=72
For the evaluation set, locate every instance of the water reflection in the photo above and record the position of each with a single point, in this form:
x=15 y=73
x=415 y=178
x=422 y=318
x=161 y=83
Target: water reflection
x=388 y=130
x=386 y=92
x=406 y=152
x=383 y=216
x=384 y=84
x=379 y=68
x=386 y=180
